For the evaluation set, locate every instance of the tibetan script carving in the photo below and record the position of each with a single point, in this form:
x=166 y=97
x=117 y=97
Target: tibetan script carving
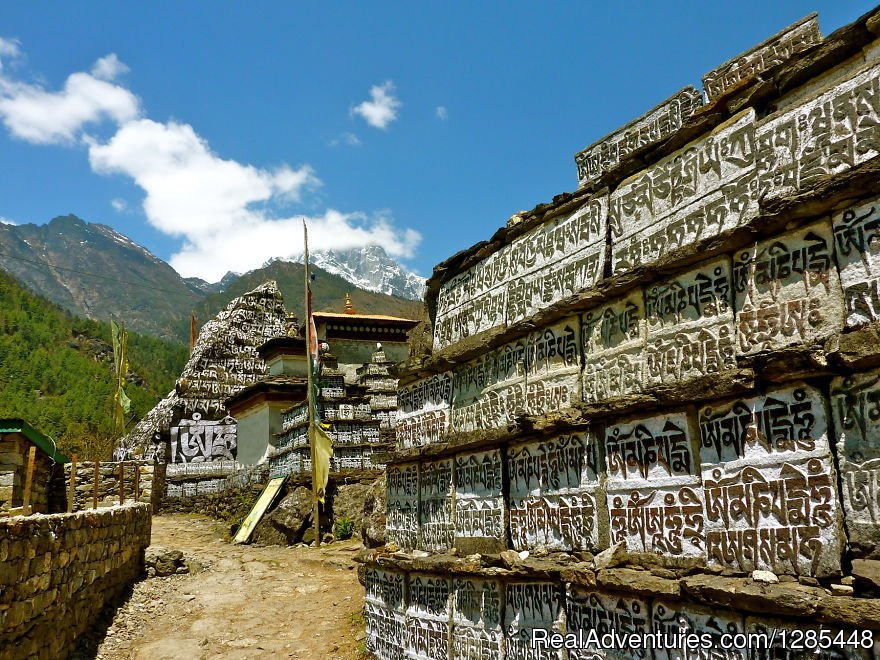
x=553 y=494
x=651 y=128
x=196 y=440
x=670 y=619
x=587 y=611
x=402 y=518
x=695 y=193
x=663 y=520
x=530 y=606
x=436 y=515
x=424 y=411
x=657 y=451
x=384 y=611
x=777 y=49
x=613 y=340
x=476 y=615
x=479 y=504
x=787 y=290
x=857 y=243
x=427 y=618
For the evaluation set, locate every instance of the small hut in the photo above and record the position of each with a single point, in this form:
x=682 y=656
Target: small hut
x=17 y=437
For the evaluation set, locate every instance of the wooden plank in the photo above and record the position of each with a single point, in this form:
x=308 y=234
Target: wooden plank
x=71 y=487
x=96 y=478
x=122 y=482
x=264 y=502
x=29 y=480
x=137 y=481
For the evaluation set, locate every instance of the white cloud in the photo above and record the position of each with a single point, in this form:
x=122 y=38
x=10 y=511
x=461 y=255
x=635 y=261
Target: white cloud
x=109 y=67
x=442 y=113
x=346 y=139
x=382 y=109
x=9 y=48
x=229 y=215
x=7 y=221
x=36 y=115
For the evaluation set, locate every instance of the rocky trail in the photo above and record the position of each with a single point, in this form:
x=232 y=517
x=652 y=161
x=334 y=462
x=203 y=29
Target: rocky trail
x=237 y=602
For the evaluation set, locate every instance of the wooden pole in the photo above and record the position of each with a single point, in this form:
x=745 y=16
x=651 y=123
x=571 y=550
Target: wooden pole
x=96 y=477
x=137 y=481
x=71 y=488
x=122 y=482
x=310 y=399
x=29 y=481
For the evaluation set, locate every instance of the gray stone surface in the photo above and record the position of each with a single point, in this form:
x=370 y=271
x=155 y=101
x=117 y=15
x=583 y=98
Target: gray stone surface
x=858 y=258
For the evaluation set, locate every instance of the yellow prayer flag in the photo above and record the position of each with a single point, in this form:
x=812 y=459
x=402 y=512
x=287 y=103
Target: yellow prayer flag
x=322 y=446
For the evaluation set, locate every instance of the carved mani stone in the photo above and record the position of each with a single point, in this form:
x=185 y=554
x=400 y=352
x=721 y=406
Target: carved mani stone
x=857 y=244
x=476 y=618
x=479 y=503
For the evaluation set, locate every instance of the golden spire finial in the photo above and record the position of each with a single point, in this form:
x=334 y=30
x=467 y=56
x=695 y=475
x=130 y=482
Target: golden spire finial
x=349 y=308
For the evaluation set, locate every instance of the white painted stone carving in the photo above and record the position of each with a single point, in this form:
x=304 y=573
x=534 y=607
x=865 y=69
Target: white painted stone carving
x=534 y=375
x=857 y=242
x=774 y=51
x=588 y=611
x=670 y=619
x=436 y=511
x=555 y=501
x=424 y=413
x=402 y=498
x=690 y=325
x=530 y=606
x=613 y=339
x=476 y=618
x=479 y=501
x=556 y=259
x=855 y=404
x=651 y=128
x=787 y=290
x=428 y=615
x=385 y=613
x=828 y=134
x=199 y=440
x=699 y=191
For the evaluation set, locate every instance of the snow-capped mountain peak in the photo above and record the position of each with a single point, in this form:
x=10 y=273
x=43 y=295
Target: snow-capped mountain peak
x=372 y=269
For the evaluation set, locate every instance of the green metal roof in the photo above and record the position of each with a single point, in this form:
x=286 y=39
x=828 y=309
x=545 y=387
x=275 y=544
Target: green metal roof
x=40 y=440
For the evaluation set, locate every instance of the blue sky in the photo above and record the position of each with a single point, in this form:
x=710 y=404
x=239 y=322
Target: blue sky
x=205 y=131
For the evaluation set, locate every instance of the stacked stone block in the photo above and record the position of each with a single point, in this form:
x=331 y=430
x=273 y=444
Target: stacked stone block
x=685 y=433
x=58 y=571
x=150 y=483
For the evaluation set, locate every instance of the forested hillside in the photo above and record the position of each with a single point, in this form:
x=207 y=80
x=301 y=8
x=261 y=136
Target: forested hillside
x=56 y=371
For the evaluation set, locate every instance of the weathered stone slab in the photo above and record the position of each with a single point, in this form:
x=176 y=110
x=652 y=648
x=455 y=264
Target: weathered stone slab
x=424 y=413
x=697 y=192
x=555 y=500
x=428 y=615
x=436 y=512
x=556 y=259
x=787 y=424
x=690 y=325
x=531 y=606
x=783 y=636
x=774 y=51
x=651 y=128
x=534 y=375
x=613 y=338
x=476 y=617
x=589 y=611
x=384 y=611
x=783 y=518
x=672 y=618
x=828 y=134
x=855 y=404
x=857 y=241
x=667 y=520
x=402 y=496
x=653 y=451
x=787 y=290
x=479 y=502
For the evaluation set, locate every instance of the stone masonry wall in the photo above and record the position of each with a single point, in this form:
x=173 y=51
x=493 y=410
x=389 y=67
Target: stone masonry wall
x=652 y=404
x=58 y=571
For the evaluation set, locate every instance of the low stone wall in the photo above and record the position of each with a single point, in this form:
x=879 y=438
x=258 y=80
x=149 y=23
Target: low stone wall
x=58 y=571
x=150 y=483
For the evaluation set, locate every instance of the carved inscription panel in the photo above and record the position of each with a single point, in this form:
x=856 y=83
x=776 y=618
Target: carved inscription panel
x=787 y=290
x=198 y=440
x=555 y=502
x=402 y=497
x=436 y=514
x=613 y=338
x=479 y=501
x=529 y=606
x=705 y=188
x=670 y=619
x=424 y=413
x=690 y=324
x=588 y=611
x=857 y=244
x=428 y=618
x=384 y=611
x=476 y=618
x=855 y=403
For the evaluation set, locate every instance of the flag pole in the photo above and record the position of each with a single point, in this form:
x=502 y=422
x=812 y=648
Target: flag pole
x=311 y=393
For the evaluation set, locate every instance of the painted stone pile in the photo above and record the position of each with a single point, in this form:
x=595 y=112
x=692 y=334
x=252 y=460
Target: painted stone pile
x=654 y=404
x=358 y=418
x=192 y=424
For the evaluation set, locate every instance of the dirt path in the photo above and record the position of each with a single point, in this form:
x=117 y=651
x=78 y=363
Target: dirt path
x=252 y=602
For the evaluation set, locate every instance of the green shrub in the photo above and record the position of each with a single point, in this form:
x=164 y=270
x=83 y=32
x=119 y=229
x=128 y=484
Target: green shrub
x=343 y=529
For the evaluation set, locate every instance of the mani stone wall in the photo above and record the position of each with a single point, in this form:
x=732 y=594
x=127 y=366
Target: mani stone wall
x=58 y=571
x=655 y=402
